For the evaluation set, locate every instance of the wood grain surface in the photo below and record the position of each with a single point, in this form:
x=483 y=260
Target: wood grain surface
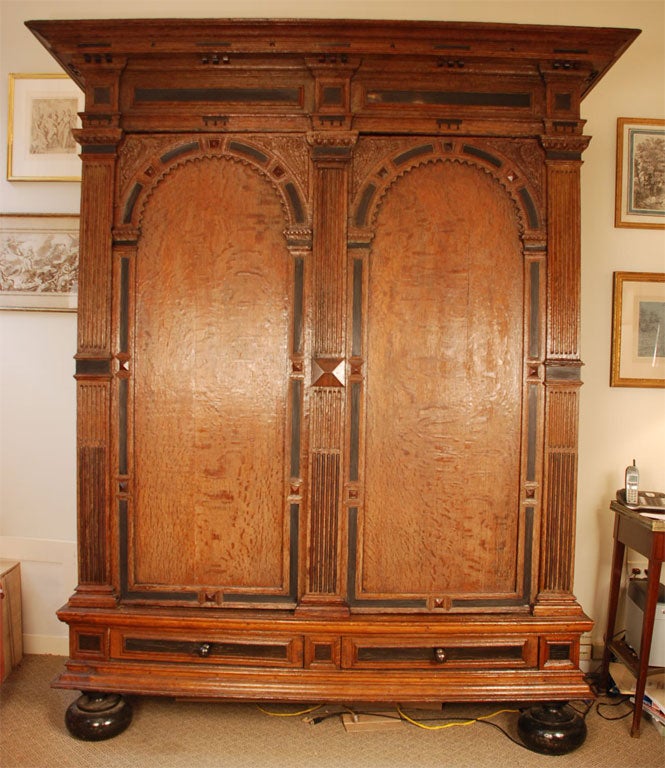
x=411 y=191
x=443 y=387
x=212 y=331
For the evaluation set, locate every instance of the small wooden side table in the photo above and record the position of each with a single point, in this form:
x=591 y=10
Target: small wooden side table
x=646 y=536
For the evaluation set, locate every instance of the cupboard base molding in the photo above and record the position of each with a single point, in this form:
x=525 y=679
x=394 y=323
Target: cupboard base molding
x=181 y=680
x=250 y=656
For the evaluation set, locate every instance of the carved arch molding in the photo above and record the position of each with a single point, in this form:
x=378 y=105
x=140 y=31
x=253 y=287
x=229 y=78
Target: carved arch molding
x=146 y=162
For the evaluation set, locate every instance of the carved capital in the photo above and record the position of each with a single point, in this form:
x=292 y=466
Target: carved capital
x=332 y=138
x=564 y=143
x=299 y=237
x=126 y=234
x=336 y=146
x=96 y=134
x=360 y=238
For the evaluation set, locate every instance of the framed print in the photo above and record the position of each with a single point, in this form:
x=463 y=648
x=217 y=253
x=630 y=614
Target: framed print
x=43 y=109
x=39 y=262
x=640 y=173
x=638 y=330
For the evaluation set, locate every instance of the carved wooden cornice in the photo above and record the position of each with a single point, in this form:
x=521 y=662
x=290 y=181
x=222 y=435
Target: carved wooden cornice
x=536 y=48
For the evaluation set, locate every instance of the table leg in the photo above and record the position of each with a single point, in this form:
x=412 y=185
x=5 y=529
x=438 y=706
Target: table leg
x=615 y=584
x=653 y=583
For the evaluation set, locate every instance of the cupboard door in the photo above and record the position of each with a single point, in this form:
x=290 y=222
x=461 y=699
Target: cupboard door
x=209 y=519
x=441 y=521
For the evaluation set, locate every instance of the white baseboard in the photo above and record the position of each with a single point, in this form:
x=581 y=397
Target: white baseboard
x=46 y=645
x=48 y=578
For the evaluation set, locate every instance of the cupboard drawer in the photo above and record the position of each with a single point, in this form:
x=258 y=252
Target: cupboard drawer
x=437 y=653
x=239 y=650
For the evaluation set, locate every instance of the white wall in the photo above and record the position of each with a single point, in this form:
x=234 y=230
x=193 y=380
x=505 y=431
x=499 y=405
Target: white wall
x=37 y=472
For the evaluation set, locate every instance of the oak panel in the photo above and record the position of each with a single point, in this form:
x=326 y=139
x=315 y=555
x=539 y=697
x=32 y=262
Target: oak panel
x=212 y=336
x=445 y=320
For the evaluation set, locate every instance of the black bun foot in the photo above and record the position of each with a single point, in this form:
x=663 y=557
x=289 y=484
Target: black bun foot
x=98 y=716
x=552 y=729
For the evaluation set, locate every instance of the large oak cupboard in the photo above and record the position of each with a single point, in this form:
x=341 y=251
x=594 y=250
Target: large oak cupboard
x=328 y=358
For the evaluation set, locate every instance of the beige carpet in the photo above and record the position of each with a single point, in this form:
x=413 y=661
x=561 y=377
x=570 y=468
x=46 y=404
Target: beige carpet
x=171 y=734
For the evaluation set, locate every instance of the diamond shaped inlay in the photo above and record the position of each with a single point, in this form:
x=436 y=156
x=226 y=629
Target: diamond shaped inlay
x=328 y=372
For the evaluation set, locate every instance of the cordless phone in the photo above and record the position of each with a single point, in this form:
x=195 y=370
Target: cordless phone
x=632 y=484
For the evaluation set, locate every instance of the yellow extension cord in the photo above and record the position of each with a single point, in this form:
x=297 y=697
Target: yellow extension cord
x=450 y=725
x=401 y=713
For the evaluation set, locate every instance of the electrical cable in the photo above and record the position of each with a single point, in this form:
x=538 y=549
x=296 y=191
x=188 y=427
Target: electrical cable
x=441 y=723
x=289 y=714
x=624 y=700
x=460 y=722
x=481 y=720
x=422 y=722
x=593 y=679
x=355 y=713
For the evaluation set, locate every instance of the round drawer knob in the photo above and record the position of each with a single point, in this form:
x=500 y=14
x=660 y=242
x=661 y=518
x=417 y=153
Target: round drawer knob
x=439 y=655
x=204 y=650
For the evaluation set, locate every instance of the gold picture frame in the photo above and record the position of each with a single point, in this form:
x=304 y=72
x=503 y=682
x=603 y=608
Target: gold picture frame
x=42 y=111
x=638 y=330
x=39 y=262
x=640 y=195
